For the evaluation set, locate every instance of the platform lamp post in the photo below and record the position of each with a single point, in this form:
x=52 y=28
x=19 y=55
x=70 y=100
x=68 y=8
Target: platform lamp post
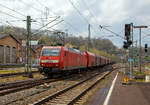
x=140 y=27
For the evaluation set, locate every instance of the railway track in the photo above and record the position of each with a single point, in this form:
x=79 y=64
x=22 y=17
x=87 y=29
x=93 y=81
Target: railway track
x=70 y=95
x=7 y=88
x=14 y=74
x=18 y=86
x=41 y=90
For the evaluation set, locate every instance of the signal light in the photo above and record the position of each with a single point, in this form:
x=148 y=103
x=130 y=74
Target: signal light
x=129 y=42
x=146 y=47
x=125 y=46
x=127 y=31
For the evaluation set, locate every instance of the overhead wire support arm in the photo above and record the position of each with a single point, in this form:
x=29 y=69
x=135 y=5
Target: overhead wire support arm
x=47 y=24
x=48 y=27
x=111 y=31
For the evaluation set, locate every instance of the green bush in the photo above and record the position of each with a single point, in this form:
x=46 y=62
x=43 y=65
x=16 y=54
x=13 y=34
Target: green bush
x=138 y=73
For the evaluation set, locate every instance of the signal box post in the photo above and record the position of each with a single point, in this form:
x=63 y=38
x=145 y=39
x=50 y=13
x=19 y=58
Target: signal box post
x=140 y=44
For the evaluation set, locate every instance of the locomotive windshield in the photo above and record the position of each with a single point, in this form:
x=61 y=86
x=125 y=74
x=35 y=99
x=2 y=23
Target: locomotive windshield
x=50 y=52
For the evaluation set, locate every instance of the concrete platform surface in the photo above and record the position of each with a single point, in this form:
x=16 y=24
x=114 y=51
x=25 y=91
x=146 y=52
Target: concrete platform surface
x=132 y=94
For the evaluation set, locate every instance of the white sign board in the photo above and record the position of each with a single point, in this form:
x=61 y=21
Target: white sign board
x=32 y=42
x=23 y=43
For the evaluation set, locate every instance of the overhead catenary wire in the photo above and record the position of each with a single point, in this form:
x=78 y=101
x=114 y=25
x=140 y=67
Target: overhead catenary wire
x=85 y=19
x=46 y=30
x=10 y=15
x=8 y=24
x=21 y=13
x=23 y=20
x=20 y=19
x=38 y=10
x=46 y=18
x=89 y=10
x=68 y=23
x=17 y=13
x=11 y=26
x=48 y=27
x=41 y=3
x=48 y=23
x=73 y=27
x=12 y=10
x=92 y=15
x=78 y=11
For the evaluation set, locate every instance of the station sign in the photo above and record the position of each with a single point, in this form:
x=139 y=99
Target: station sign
x=130 y=60
x=32 y=42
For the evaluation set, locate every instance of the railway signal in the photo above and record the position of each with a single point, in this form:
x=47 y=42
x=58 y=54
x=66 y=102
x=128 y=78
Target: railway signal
x=146 y=47
x=127 y=36
x=127 y=31
x=125 y=46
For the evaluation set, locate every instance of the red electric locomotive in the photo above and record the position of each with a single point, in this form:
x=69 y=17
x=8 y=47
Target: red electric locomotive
x=59 y=58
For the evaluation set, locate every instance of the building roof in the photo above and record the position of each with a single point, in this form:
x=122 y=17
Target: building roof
x=2 y=35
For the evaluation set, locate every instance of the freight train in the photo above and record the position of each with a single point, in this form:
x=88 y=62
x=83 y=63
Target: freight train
x=54 y=59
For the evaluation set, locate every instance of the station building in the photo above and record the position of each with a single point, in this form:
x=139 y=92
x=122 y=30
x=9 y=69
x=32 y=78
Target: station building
x=9 y=49
x=12 y=51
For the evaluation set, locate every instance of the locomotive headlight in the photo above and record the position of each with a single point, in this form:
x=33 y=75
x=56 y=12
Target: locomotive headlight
x=44 y=61
x=49 y=61
x=54 y=61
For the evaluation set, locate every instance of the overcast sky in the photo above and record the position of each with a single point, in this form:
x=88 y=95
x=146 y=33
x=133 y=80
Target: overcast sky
x=77 y=14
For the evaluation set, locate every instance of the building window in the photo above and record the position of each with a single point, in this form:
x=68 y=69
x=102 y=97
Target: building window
x=13 y=55
x=7 y=54
x=1 y=53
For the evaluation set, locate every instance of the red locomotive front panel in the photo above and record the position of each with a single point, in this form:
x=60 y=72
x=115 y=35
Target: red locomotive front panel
x=50 y=57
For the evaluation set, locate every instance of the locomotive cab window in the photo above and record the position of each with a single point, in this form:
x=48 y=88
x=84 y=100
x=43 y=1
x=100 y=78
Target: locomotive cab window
x=50 y=52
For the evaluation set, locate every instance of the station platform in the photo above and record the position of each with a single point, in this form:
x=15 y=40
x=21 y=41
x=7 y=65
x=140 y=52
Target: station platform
x=131 y=94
